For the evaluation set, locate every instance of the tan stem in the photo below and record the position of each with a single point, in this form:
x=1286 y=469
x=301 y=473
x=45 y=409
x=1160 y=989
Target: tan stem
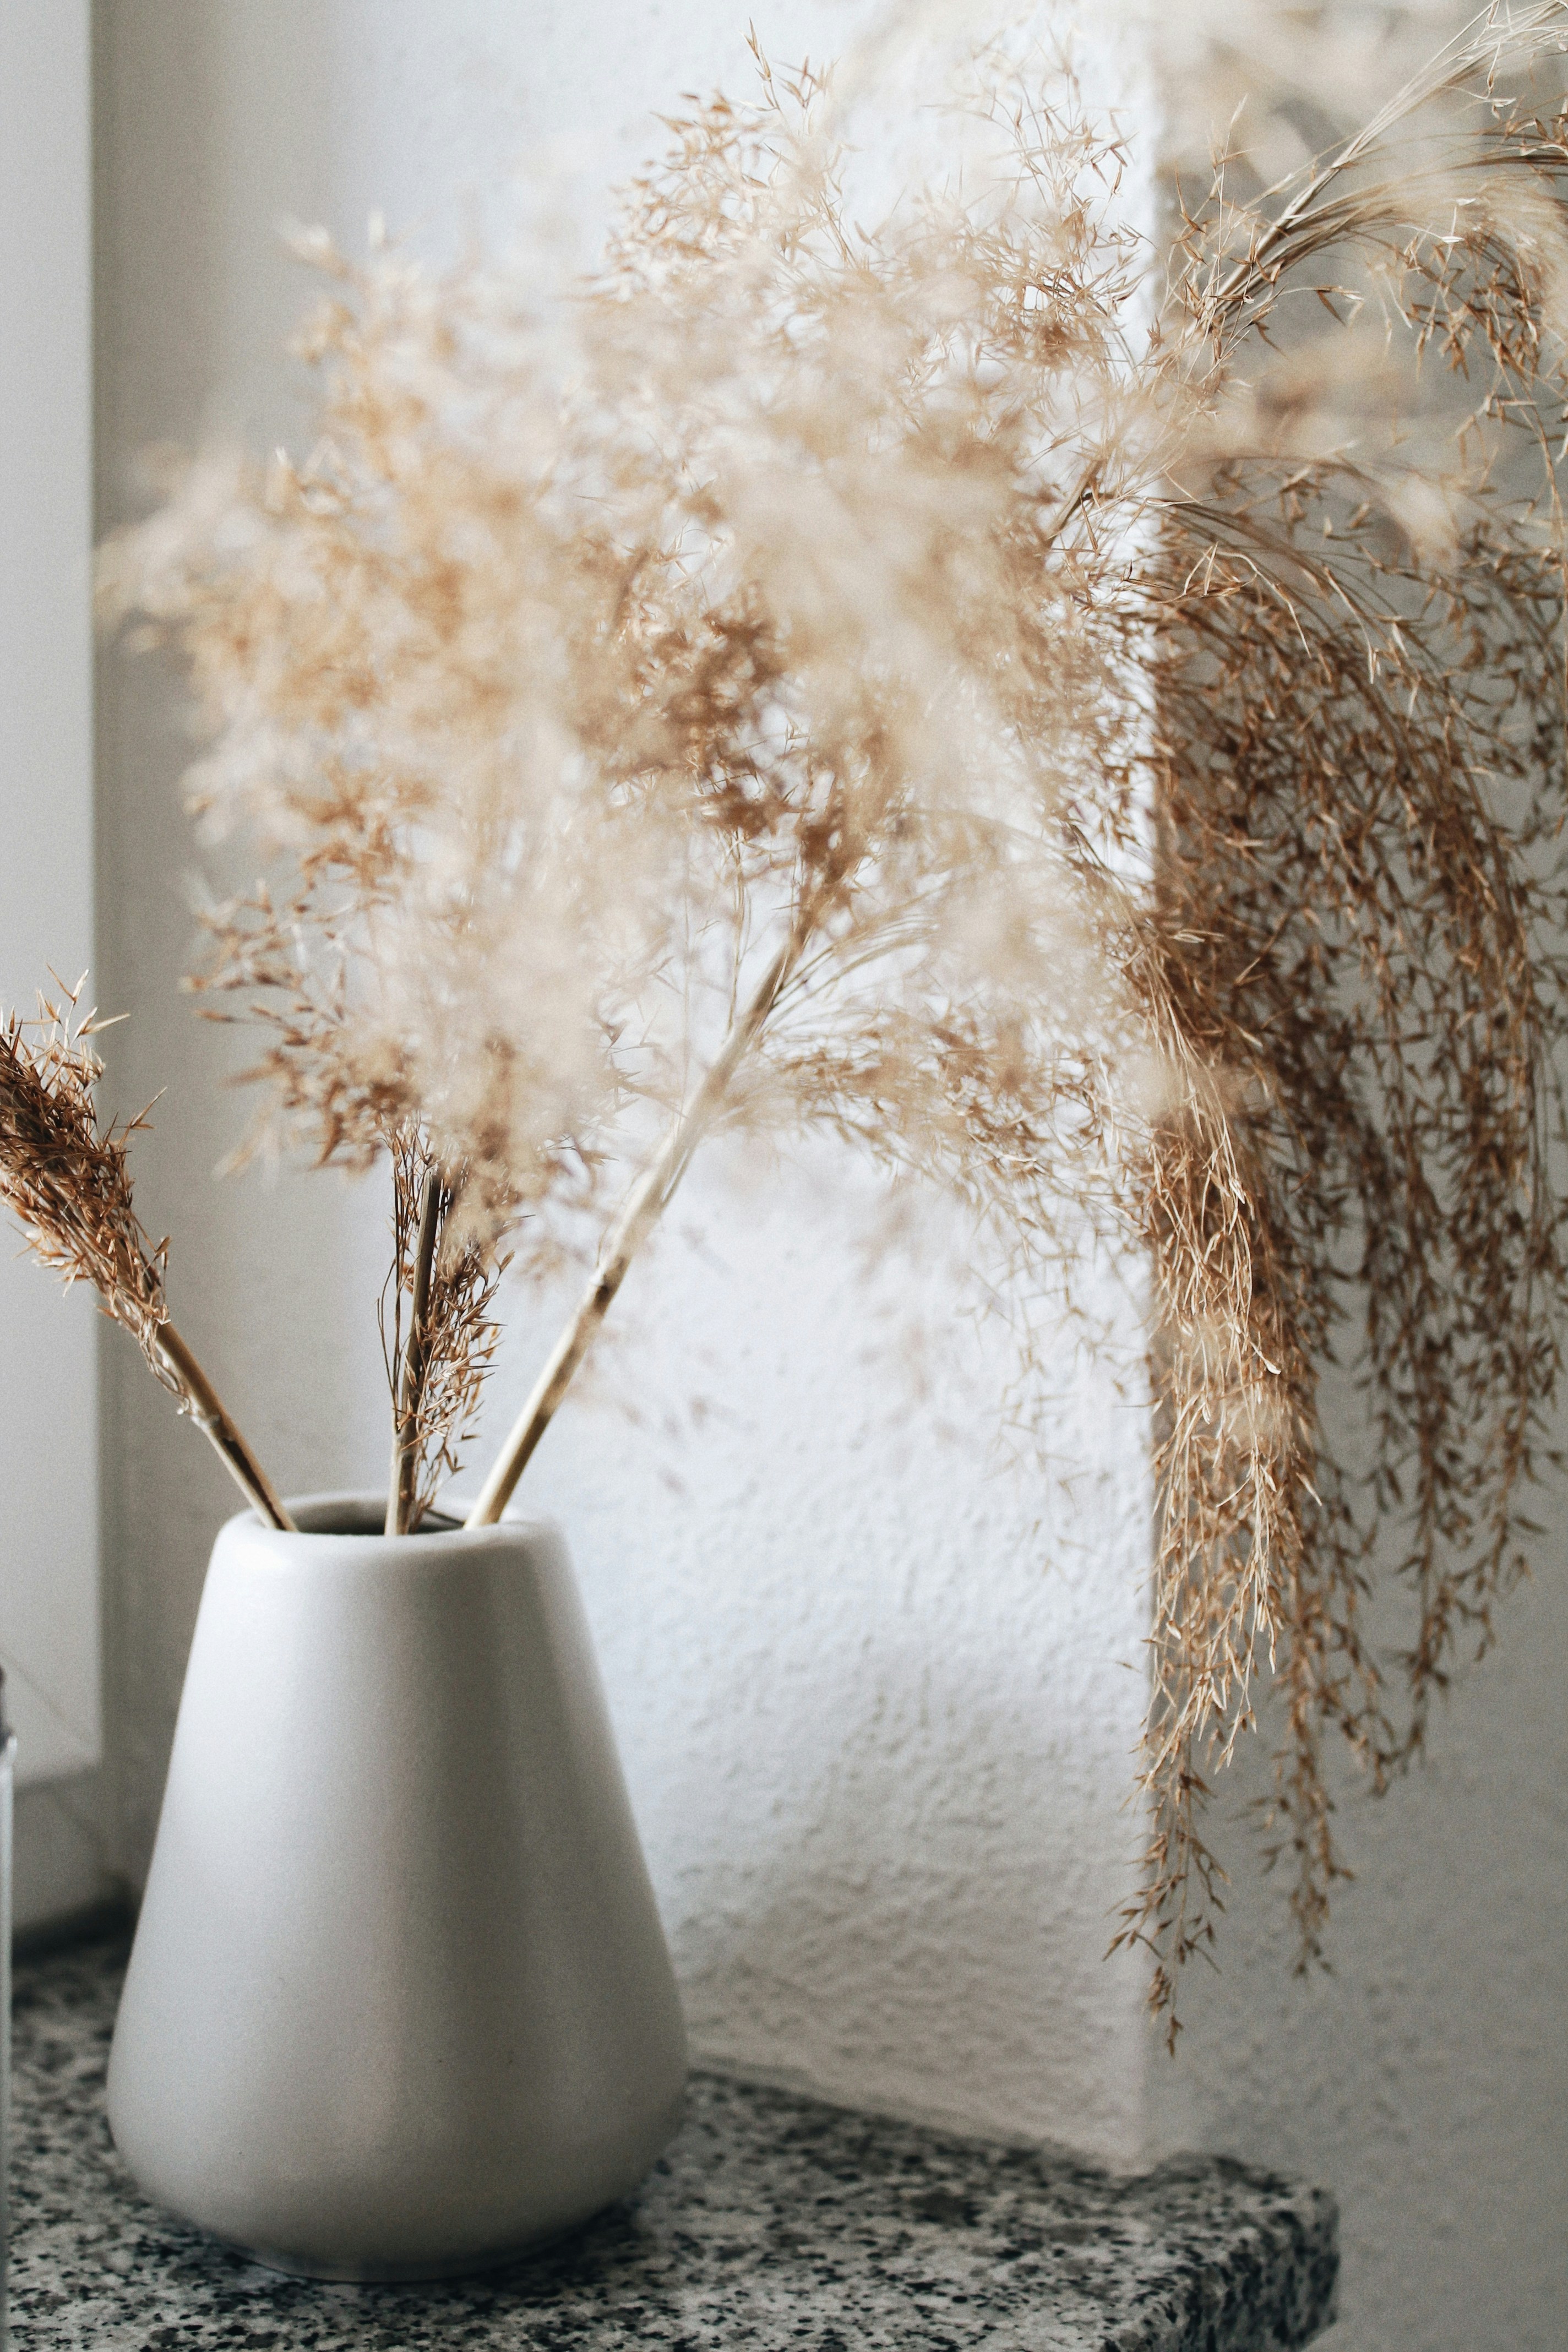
x=416 y=1363
x=645 y=1205
x=210 y=1415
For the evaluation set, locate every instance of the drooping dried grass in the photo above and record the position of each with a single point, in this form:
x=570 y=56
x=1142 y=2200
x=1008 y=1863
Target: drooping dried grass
x=1358 y=765
x=877 y=679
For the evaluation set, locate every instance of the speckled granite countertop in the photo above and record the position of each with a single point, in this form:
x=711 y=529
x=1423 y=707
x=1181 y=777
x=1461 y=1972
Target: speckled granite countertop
x=771 y=2223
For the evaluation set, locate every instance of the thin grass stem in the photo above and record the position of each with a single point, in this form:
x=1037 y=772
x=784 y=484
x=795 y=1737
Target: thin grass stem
x=645 y=1205
x=211 y=1417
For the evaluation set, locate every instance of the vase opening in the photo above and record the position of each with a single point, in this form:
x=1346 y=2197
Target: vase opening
x=360 y=1515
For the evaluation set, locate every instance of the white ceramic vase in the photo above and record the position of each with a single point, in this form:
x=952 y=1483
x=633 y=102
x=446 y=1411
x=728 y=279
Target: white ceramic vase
x=399 y=2004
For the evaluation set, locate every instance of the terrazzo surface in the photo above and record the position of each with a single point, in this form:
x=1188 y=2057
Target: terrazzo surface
x=771 y=2223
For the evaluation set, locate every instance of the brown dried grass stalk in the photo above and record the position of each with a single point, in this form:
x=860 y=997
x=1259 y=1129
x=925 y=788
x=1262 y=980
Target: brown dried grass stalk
x=68 y=1181
x=817 y=620
x=437 y=1367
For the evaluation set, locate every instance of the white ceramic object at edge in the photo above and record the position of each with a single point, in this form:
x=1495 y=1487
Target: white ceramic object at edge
x=399 y=2004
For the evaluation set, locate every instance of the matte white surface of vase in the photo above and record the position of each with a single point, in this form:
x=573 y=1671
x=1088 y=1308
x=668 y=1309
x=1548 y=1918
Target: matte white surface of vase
x=399 y=2003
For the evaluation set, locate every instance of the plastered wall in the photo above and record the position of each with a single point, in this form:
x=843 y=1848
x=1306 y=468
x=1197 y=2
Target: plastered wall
x=878 y=1704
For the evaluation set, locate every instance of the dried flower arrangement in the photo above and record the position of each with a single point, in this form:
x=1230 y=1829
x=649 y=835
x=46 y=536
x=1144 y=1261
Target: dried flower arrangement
x=1106 y=765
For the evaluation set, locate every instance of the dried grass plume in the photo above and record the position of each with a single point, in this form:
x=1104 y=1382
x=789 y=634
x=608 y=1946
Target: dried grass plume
x=1084 y=725
x=67 y=1179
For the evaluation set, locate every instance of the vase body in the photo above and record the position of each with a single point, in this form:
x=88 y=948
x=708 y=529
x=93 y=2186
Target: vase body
x=399 y=2004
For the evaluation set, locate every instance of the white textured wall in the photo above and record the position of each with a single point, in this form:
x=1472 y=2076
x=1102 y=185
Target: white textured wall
x=876 y=1709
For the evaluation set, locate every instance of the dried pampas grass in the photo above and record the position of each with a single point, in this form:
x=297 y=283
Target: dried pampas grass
x=1100 y=753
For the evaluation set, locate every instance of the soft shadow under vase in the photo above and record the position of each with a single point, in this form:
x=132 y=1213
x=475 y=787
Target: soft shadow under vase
x=399 y=2004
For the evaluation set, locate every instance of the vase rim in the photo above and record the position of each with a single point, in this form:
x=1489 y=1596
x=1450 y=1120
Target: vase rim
x=356 y=1516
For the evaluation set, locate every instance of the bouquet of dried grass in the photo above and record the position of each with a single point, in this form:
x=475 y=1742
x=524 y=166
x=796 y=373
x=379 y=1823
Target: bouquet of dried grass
x=1100 y=755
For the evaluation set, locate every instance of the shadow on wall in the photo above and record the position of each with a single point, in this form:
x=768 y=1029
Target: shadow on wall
x=209 y=128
